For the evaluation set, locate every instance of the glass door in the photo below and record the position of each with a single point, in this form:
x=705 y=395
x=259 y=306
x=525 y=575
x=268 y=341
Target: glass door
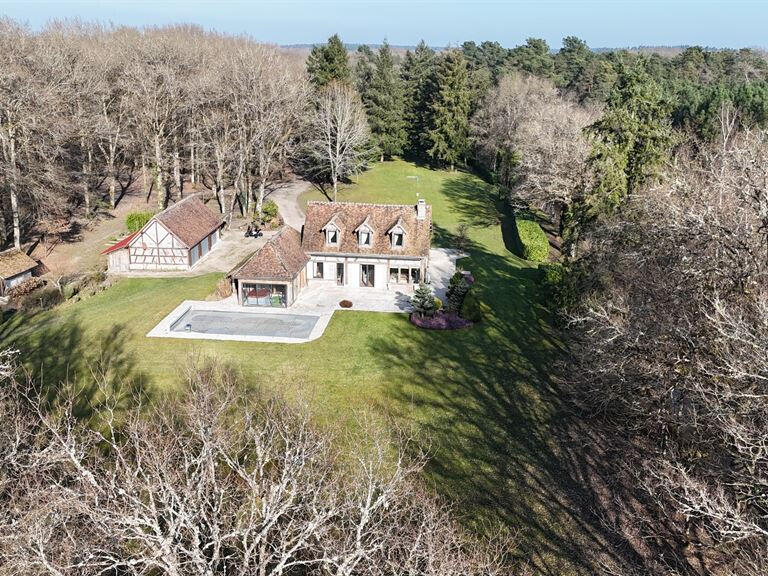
x=367 y=275
x=340 y=273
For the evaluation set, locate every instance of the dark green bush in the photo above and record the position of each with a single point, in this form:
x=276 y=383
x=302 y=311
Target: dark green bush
x=473 y=309
x=561 y=286
x=534 y=245
x=42 y=299
x=135 y=221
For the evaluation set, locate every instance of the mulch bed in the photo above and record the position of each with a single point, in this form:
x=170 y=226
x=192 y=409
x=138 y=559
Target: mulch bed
x=440 y=321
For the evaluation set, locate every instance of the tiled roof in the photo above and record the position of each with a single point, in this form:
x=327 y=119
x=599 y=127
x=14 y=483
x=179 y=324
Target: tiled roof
x=281 y=258
x=190 y=220
x=14 y=262
x=348 y=216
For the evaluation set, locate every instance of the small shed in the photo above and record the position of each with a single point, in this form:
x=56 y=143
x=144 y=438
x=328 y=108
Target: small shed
x=15 y=268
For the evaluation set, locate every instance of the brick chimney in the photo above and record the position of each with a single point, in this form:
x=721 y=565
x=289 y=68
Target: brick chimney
x=421 y=209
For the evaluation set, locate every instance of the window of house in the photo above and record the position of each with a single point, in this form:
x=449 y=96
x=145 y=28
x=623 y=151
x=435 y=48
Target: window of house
x=318 y=269
x=403 y=275
x=333 y=236
x=393 y=275
x=415 y=275
x=397 y=239
x=365 y=237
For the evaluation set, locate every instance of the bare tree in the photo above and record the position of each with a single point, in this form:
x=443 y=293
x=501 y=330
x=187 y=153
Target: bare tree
x=338 y=140
x=671 y=343
x=533 y=138
x=222 y=483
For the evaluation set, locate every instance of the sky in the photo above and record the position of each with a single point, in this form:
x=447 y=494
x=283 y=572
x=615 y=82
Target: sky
x=616 y=23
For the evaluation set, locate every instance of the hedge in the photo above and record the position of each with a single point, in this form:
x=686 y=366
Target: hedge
x=135 y=221
x=533 y=242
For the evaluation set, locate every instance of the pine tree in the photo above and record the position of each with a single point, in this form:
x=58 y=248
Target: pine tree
x=416 y=72
x=364 y=69
x=631 y=140
x=328 y=62
x=423 y=301
x=385 y=105
x=449 y=108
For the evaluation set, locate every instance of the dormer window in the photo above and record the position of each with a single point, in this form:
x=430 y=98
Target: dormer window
x=364 y=236
x=397 y=234
x=332 y=236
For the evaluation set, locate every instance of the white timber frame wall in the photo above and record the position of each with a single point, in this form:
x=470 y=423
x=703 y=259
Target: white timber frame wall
x=155 y=248
x=353 y=266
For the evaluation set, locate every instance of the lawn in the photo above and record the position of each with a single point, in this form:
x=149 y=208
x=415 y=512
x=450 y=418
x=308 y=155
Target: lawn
x=503 y=447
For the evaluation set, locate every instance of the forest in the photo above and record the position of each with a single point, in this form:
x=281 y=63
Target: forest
x=649 y=173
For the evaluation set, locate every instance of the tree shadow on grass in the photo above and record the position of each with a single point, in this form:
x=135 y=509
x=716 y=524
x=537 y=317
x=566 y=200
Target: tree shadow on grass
x=64 y=363
x=506 y=446
x=481 y=205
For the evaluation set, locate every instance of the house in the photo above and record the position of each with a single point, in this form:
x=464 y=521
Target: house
x=15 y=268
x=368 y=246
x=175 y=239
x=275 y=274
x=384 y=246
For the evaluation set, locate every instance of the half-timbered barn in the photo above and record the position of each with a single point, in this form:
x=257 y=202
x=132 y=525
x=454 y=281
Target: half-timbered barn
x=175 y=239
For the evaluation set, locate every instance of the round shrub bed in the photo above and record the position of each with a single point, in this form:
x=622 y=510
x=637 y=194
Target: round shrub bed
x=345 y=304
x=440 y=321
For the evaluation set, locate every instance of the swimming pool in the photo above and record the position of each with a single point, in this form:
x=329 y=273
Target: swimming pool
x=244 y=324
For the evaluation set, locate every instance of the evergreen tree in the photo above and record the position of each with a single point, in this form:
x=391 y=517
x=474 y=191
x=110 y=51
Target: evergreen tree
x=534 y=57
x=571 y=61
x=366 y=64
x=328 y=62
x=385 y=105
x=449 y=109
x=423 y=301
x=631 y=140
x=416 y=72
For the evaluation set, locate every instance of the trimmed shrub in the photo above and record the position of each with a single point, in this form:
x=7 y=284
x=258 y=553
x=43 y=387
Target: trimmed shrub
x=534 y=245
x=458 y=287
x=438 y=304
x=473 y=308
x=345 y=304
x=135 y=221
x=560 y=285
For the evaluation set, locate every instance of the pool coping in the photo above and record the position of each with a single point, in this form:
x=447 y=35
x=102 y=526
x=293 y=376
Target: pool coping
x=163 y=328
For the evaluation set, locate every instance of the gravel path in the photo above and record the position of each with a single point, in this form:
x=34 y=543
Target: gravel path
x=286 y=196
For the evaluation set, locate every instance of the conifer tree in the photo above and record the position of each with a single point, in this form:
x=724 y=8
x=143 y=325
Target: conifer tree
x=328 y=62
x=631 y=140
x=449 y=108
x=416 y=72
x=423 y=301
x=384 y=104
x=364 y=69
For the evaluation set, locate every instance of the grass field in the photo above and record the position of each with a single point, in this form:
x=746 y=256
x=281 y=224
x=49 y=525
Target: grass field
x=482 y=397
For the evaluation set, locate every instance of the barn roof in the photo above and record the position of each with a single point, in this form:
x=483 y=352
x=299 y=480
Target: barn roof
x=190 y=220
x=348 y=217
x=14 y=262
x=281 y=258
x=121 y=244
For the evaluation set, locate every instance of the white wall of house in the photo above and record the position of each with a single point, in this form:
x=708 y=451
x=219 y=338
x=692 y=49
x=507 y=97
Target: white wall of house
x=157 y=249
x=118 y=261
x=353 y=266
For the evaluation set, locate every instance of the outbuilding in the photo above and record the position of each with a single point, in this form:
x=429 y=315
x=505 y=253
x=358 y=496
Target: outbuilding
x=15 y=267
x=275 y=274
x=175 y=239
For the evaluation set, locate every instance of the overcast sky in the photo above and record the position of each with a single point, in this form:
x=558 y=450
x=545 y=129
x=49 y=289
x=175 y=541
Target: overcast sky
x=602 y=24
